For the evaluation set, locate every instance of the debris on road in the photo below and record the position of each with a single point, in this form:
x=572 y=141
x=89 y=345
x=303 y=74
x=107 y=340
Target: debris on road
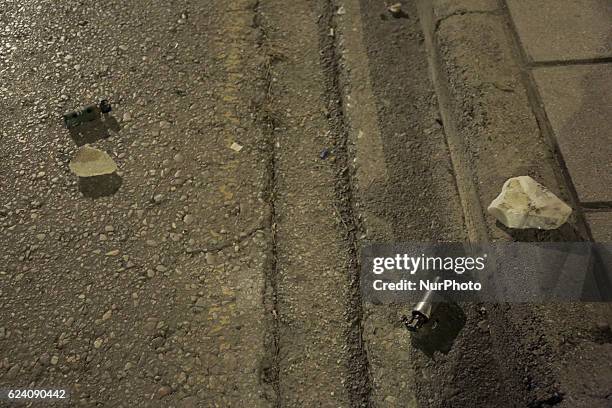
x=396 y=10
x=86 y=114
x=164 y=391
x=105 y=106
x=90 y=162
x=524 y=203
x=422 y=311
x=236 y=147
x=324 y=153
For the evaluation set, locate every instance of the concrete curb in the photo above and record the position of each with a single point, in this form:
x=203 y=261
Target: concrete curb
x=495 y=125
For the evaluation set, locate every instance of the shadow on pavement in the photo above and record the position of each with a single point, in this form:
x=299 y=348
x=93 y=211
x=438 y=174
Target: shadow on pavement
x=100 y=186
x=90 y=132
x=566 y=233
x=440 y=333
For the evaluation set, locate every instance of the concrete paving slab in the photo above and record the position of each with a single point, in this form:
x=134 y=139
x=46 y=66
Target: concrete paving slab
x=601 y=225
x=562 y=30
x=578 y=102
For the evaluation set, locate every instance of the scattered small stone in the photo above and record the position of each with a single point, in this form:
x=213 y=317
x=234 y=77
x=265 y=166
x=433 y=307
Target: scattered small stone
x=98 y=343
x=188 y=219
x=236 y=147
x=13 y=372
x=127 y=117
x=341 y=11
x=189 y=402
x=211 y=259
x=390 y=399
x=164 y=391
x=483 y=325
x=44 y=359
x=177 y=182
x=114 y=252
x=54 y=360
x=150 y=326
x=107 y=315
x=158 y=198
x=179 y=158
x=524 y=203
x=157 y=342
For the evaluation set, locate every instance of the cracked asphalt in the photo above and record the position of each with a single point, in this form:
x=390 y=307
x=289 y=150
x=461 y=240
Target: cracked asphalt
x=151 y=296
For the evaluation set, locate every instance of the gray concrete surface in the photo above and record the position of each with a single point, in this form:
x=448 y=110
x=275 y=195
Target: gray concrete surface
x=563 y=30
x=601 y=225
x=567 y=47
x=578 y=102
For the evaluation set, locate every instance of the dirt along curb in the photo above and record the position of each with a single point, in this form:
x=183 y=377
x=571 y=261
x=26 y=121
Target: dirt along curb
x=390 y=368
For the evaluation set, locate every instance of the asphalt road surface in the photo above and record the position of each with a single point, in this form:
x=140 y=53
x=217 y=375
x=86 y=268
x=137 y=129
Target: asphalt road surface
x=220 y=269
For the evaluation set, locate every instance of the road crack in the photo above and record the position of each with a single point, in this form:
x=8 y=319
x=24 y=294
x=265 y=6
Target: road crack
x=265 y=118
x=359 y=384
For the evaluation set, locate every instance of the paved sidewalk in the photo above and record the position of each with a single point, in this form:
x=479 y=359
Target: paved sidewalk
x=567 y=45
